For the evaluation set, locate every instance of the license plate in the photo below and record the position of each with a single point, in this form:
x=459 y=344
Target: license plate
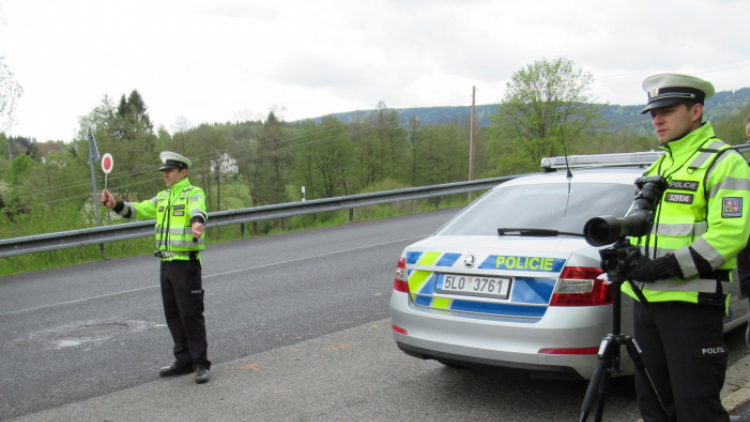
x=497 y=287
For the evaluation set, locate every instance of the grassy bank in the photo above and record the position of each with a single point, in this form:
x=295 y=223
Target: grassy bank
x=46 y=223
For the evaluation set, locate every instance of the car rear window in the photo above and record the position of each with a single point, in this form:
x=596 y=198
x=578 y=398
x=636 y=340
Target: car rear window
x=555 y=206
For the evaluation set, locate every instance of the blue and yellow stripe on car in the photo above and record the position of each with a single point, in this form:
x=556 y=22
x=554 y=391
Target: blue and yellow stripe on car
x=529 y=295
x=438 y=259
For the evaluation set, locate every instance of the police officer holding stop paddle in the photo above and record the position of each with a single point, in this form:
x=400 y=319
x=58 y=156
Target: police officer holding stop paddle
x=180 y=213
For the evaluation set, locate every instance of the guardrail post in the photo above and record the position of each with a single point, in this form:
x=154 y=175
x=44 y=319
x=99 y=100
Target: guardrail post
x=351 y=214
x=242 y=229
x=437 y=202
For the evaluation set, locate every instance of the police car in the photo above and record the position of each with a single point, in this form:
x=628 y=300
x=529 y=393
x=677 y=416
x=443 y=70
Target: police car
x=511 y=282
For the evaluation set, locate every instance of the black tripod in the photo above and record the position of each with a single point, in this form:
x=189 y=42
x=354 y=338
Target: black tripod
x=609 y=351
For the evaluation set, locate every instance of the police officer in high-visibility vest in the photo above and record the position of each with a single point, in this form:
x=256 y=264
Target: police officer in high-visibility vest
x=683 y=266
x=180 y=213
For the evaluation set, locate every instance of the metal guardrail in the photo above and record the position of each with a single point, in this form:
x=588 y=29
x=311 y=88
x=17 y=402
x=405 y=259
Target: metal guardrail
x=97 y=235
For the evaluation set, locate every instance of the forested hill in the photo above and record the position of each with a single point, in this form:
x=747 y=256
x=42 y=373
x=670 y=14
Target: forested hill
x=722 y=105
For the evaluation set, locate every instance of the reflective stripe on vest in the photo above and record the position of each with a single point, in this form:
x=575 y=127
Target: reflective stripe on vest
x=706 y=153
x=730 y=183
x=701 y=285
x=185 y=245
x=182 y=237
x=695 y=229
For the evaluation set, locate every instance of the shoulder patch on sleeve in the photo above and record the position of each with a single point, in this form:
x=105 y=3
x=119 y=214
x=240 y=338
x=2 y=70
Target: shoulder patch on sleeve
x=731 y=207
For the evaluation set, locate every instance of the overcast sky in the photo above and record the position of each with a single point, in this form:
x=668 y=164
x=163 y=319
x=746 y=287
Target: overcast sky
x=229 y=60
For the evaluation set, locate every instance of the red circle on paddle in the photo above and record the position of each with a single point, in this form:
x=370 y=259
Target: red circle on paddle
x=107 y=162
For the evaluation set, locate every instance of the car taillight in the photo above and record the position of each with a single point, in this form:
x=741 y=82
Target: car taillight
x=579 y=286
x=401 y=283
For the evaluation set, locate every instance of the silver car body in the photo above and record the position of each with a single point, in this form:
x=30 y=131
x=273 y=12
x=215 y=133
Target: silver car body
x=517 y=328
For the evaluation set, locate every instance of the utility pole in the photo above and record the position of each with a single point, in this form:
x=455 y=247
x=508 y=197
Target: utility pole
x=471 y=138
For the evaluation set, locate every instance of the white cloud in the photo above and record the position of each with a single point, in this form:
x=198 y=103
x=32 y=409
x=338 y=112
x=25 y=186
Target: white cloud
x=210 y=61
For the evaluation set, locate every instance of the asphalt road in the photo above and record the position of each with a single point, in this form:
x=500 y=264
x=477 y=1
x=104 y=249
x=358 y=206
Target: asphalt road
x=97 y=332
x=87 y=330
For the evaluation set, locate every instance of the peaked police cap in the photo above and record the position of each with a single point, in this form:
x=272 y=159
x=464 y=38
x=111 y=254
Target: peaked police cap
x=173 y=160
x=668 y=89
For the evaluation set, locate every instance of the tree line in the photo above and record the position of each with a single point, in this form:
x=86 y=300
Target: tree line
x=546 y=111
x=238 y=164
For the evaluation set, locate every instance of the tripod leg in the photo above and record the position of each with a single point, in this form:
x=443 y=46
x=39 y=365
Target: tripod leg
x=635 y=354
x=599 y=376
x=603 y=390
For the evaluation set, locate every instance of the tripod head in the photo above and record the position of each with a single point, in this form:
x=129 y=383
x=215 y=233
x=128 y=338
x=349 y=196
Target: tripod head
x=614 y=263
x=614 y=260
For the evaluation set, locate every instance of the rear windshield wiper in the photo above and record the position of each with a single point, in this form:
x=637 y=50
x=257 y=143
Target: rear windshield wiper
x=535 y=232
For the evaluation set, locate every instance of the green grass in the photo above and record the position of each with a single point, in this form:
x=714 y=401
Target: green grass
x=134 y=247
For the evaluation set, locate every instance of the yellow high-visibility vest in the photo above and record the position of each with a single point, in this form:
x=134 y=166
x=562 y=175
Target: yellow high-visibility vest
x=173 y=208
x=705 y=207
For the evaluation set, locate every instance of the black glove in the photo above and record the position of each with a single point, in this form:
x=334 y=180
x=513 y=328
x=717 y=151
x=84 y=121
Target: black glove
x=644 y=269
x=641 y=268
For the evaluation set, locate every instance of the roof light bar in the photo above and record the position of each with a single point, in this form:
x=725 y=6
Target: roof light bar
x=603 y=160
x=643 y=158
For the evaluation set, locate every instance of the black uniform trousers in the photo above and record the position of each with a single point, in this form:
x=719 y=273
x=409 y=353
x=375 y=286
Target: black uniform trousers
x=684 y=353
x=743 y=270
x=182 y=294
